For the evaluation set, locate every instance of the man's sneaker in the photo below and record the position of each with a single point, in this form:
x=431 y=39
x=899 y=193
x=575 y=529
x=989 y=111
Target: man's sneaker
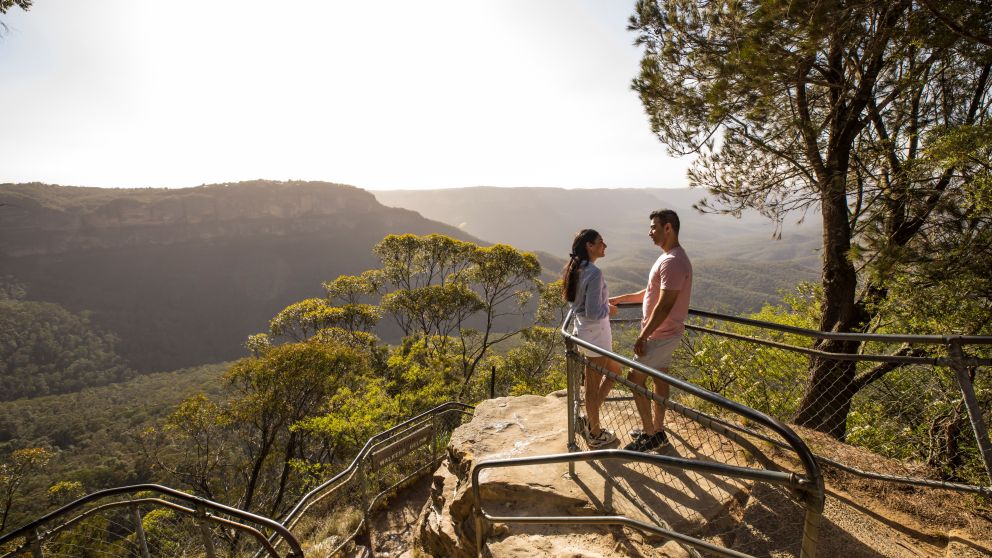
x=604 y=438
x=644 y=442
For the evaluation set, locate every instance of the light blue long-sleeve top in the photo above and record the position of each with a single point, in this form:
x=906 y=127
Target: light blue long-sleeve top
x=591 y=296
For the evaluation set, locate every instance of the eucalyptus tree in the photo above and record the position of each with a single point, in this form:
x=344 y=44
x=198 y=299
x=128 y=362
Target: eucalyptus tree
x=436 y=287
x=833 y=106
x=15 y=469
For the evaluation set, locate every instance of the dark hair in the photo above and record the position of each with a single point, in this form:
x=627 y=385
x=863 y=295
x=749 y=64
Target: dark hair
x=580 y=254
x=666 y=216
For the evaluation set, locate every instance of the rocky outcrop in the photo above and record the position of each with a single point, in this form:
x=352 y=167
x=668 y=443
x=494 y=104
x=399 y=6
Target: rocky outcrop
x=532 y=425
x=752 y=517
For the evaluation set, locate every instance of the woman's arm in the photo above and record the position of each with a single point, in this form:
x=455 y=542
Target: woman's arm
x=596 y=305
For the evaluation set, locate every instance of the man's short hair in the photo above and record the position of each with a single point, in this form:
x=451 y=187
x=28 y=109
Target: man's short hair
x=666 y=216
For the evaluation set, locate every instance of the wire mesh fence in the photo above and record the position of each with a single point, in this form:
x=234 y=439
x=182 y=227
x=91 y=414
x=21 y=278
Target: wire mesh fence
x=905 y=399
x=916 y=404
x=717 y=507
x=145 y=521
x=335 y=516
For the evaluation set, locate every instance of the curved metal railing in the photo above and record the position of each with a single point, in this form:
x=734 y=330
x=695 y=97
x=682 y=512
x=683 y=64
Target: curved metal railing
x=426 y=430
x=369 y=478
x=806 y=484
x=739 y=422
x=775 y=477
x=49 y=526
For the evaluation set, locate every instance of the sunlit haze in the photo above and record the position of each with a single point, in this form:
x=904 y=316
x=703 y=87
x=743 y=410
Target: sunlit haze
x=381 y=95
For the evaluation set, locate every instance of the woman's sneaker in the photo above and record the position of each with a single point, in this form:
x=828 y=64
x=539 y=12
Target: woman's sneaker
x=604 y=438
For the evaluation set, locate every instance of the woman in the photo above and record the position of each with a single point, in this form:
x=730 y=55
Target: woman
x=583 y=285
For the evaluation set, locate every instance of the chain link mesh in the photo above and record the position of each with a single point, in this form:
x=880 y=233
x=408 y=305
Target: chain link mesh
x=339 y=516
x=914 y=415
x=911 y=417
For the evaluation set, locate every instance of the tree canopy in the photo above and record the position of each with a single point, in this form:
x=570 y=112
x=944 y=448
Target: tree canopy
x=875 y=114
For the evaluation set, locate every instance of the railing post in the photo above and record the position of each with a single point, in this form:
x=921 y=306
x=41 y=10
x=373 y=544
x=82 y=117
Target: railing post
x=971 y=402
x=813 y=499
x=208 y=541
x=35 y=544
x=572 y=396
x=492 y=383
x=434 y=438
x=139 y=531
x=363 y=478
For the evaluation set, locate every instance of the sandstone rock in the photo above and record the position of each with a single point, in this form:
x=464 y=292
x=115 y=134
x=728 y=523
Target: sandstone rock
x=530 y=426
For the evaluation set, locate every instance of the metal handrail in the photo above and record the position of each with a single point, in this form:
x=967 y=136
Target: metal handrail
x=28 y=530
x=306 y=501
x=806 y=457
x=329 y=486
x=834 y=336
x=775 y=477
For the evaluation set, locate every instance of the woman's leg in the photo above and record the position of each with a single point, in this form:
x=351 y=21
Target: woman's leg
x=597 y=387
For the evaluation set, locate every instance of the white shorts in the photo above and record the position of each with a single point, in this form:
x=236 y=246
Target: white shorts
x=597 y=332
x=658 y=352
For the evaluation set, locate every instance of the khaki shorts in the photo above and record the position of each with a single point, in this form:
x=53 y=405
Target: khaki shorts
x=658 y=352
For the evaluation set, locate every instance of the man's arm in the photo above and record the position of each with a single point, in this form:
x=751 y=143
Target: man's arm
x=658 y=315
x=629 y=297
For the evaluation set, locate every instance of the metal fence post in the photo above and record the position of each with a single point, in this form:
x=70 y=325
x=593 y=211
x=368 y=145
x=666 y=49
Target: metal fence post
x=492 y=383
x=572 y=396
x=208 y=541
x=435 y=431
x=363 y=478
x=971 y=402
x=35 y=544
x=139 y=531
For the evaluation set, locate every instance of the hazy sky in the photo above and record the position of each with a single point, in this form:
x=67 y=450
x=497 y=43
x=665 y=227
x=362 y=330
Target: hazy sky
x=381 y=95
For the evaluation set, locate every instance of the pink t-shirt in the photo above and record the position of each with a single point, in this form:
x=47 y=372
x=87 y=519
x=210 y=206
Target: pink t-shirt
x=671 y=271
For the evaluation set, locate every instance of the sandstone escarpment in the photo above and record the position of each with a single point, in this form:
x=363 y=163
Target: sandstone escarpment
x=752 y=517
x=46 y=219
x=530 y=426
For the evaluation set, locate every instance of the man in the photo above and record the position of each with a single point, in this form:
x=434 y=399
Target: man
x=665 y=306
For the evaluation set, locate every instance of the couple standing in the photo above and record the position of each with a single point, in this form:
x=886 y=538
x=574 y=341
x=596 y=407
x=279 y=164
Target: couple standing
x=665 y=306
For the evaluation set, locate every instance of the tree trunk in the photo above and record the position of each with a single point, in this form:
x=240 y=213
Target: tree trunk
x=828 y=396
x=827 y=400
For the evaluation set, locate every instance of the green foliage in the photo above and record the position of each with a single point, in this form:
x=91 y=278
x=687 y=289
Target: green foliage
x=45 y=349
x=63 y=492
x=14 y=470
x=762 y=377
x=537 y=365
x=355 y=414
x=95 y=432
x=874 y=113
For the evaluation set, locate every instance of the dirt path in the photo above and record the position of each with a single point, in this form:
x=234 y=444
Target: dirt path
x=396 y=527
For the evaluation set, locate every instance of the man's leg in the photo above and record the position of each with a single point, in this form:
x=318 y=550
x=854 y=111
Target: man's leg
x=642 y=402
x=661 y=389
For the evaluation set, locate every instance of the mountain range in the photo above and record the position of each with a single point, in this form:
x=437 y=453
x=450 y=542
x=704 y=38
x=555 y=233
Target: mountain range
x=183 y=276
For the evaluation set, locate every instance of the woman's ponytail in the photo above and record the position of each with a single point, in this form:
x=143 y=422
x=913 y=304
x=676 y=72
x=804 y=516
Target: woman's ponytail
x=579 y=255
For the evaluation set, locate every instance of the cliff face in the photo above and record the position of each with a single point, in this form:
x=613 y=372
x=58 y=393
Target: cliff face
x=44 y=219
x=184 y=276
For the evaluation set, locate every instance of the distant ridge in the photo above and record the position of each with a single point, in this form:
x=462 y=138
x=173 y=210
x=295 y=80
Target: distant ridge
x=182 y=276
x=739 y=267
